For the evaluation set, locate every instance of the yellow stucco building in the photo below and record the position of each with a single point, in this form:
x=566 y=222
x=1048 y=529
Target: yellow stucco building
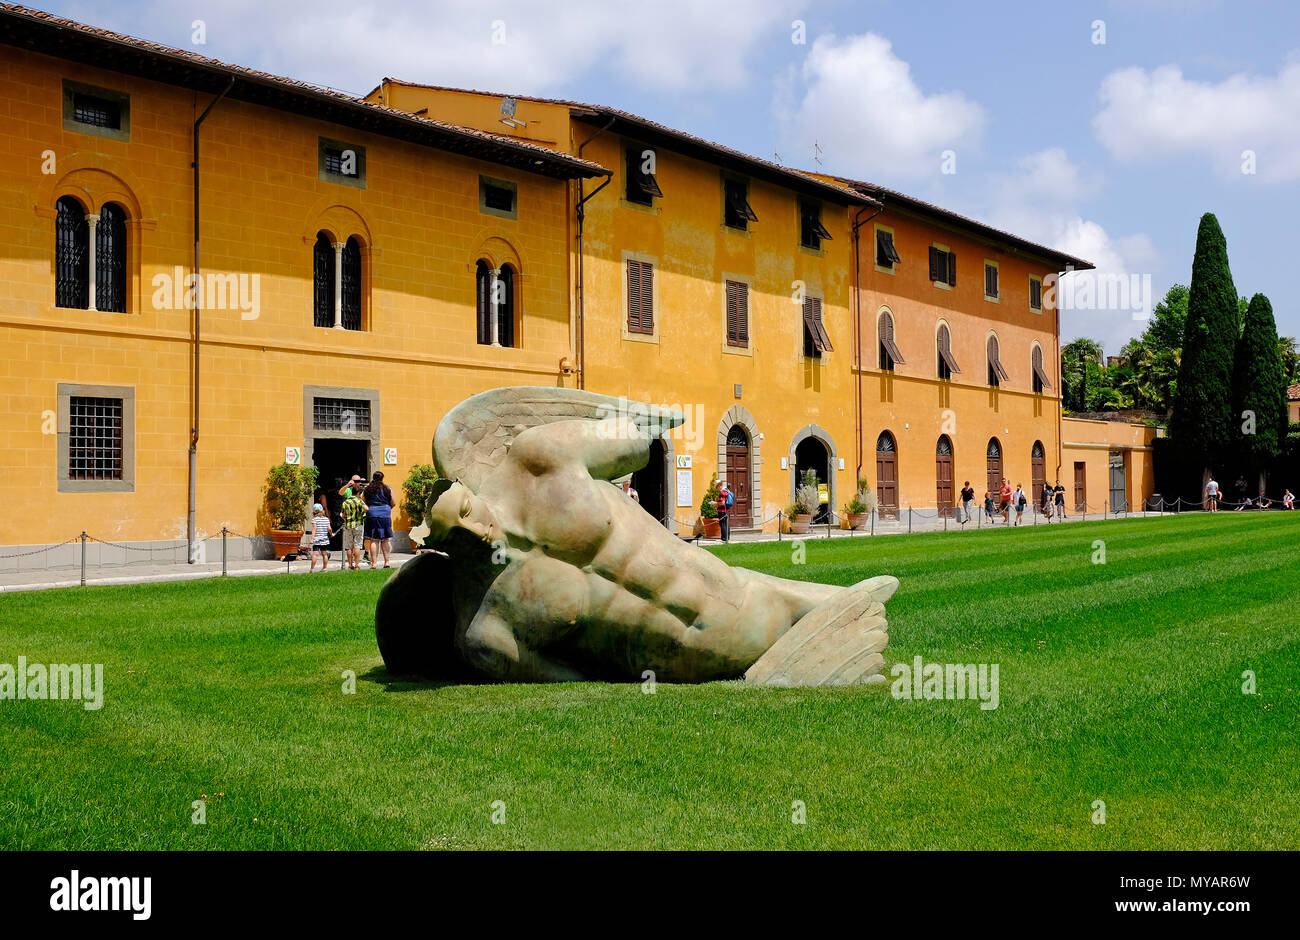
x=366 y=264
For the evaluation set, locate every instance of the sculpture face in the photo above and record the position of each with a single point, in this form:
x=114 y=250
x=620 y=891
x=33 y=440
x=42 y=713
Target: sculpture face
x=458 y=508
x=590 y=588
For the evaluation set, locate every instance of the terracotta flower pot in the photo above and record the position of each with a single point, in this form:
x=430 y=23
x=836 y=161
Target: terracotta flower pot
x=800 y=524
x=285 y=541
x=857 y=520
x=712 y=528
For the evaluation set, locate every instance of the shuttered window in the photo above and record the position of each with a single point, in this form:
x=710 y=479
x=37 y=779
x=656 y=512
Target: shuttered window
x=642 y=186
x=811 y=231
x=947 y=364
x=997 y=374
x=1040 y=374
x=1035 y=294
x=737 y=212
x=889 y=354
x=990 y=281
x=72 y=255
x=815 y=339
x=886 y=253
x=737 y=314
x=943 y=266
x=640 y=297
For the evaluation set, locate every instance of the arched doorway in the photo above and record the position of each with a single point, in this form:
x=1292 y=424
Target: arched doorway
x=811 y=454
x=994 y=479
x=649 y=481
x=887 y=473
x=943 y=475
x=738 y=475
x=1038 y=471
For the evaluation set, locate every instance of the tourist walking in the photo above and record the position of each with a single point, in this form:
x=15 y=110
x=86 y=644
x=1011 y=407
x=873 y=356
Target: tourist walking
x=1212 y=495
x=726 y=499
x=967 y=500
x=1019 y=498
x=319 y=526
x=988 y=505
x=354 y=520
x=1004 y=500
x=379 y=518
x=1046 y=502
x=1058 y=497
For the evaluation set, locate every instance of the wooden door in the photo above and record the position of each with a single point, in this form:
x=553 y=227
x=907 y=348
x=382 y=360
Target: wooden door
x=887 y=473
x=943 y=476
x=1080 y=486
x=994 y=475
x=1038 y=471
x=738 y=476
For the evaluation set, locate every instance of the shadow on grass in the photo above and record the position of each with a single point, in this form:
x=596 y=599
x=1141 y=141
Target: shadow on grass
x=393 y=683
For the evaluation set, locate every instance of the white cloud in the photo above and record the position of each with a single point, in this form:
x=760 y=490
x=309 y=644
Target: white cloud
x=670 y=46
x=859 y=101
x=1041 y=202
x=1160 y=113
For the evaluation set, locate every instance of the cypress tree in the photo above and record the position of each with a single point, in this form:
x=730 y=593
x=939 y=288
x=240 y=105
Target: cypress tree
x=1201 y=422
x=1259 y=389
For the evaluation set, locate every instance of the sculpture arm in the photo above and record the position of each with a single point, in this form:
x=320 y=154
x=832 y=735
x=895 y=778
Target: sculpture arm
x=491 y=647
x=609 y=448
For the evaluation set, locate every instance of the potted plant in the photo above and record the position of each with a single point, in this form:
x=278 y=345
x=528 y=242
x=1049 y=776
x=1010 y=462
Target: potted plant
x=862 y=503
x=417 y=490
x=806 y=499
x=709 y=524
x=289 y=489
x=791 y=513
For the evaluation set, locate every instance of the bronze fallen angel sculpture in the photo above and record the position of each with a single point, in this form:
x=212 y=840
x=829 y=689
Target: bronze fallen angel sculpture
x=544 y=571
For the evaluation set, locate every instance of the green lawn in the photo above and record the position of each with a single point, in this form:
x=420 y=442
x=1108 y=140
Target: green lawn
x=1119 y=682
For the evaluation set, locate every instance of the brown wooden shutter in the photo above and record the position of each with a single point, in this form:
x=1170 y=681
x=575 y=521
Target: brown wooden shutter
x=647 y=297
x=1038 y=367
x=737 y=313
x=887 y=338
x=952 y=269
x=945 y=349
x=634 y=296
x=936 y=264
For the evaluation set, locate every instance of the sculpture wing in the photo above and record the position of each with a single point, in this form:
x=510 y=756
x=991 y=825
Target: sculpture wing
x=838 y=642
x=472 y=438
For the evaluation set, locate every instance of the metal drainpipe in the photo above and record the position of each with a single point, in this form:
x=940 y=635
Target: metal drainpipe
x=581 y=213
x=1060 y=388
x=194 y=431
x=857 y=328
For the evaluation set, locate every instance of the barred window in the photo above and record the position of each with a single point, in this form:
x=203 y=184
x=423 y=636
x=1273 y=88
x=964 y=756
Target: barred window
x=323 y=280
x=110 y=259
x=96 y=111
x=352 y=285
x=71 y=255
x=95 y=438
x=348 y=415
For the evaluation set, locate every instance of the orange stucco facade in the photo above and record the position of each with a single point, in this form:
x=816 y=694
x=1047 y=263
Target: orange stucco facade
x=760 y=407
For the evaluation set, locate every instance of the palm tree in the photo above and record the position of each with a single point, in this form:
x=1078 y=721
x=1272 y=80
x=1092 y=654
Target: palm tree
x=1075 y=357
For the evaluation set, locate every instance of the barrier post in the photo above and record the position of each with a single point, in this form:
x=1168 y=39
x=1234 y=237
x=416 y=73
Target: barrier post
x=223 y=551
x=873 y=522
x=945 y=522
x=909 y=520
x=83 y=557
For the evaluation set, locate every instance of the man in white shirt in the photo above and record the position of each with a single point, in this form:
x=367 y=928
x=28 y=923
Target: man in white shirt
x=1212 y=495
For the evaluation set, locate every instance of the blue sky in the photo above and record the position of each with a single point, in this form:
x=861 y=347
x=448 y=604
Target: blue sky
x=1109 y=150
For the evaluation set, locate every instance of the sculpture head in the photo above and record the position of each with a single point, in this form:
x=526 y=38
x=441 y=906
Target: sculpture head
x=455 y=507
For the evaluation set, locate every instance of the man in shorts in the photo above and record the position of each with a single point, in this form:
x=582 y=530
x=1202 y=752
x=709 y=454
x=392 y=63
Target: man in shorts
x=354 y=518
x=1212 y=495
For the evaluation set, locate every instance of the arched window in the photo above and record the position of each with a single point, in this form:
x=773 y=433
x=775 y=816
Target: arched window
x=947 y=365
x=110 y=259
x=71 y=257
x=997 y=374
x=351 y=284
x=506 y=308
x=495 y=304
x=323 y=280
x=1040 y=374
x=889 y=354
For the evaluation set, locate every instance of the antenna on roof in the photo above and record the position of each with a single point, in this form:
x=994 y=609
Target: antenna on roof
x=817 y=153
x=508 y=106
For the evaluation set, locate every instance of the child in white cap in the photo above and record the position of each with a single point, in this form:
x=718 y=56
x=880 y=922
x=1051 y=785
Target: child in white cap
x=320 y=539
